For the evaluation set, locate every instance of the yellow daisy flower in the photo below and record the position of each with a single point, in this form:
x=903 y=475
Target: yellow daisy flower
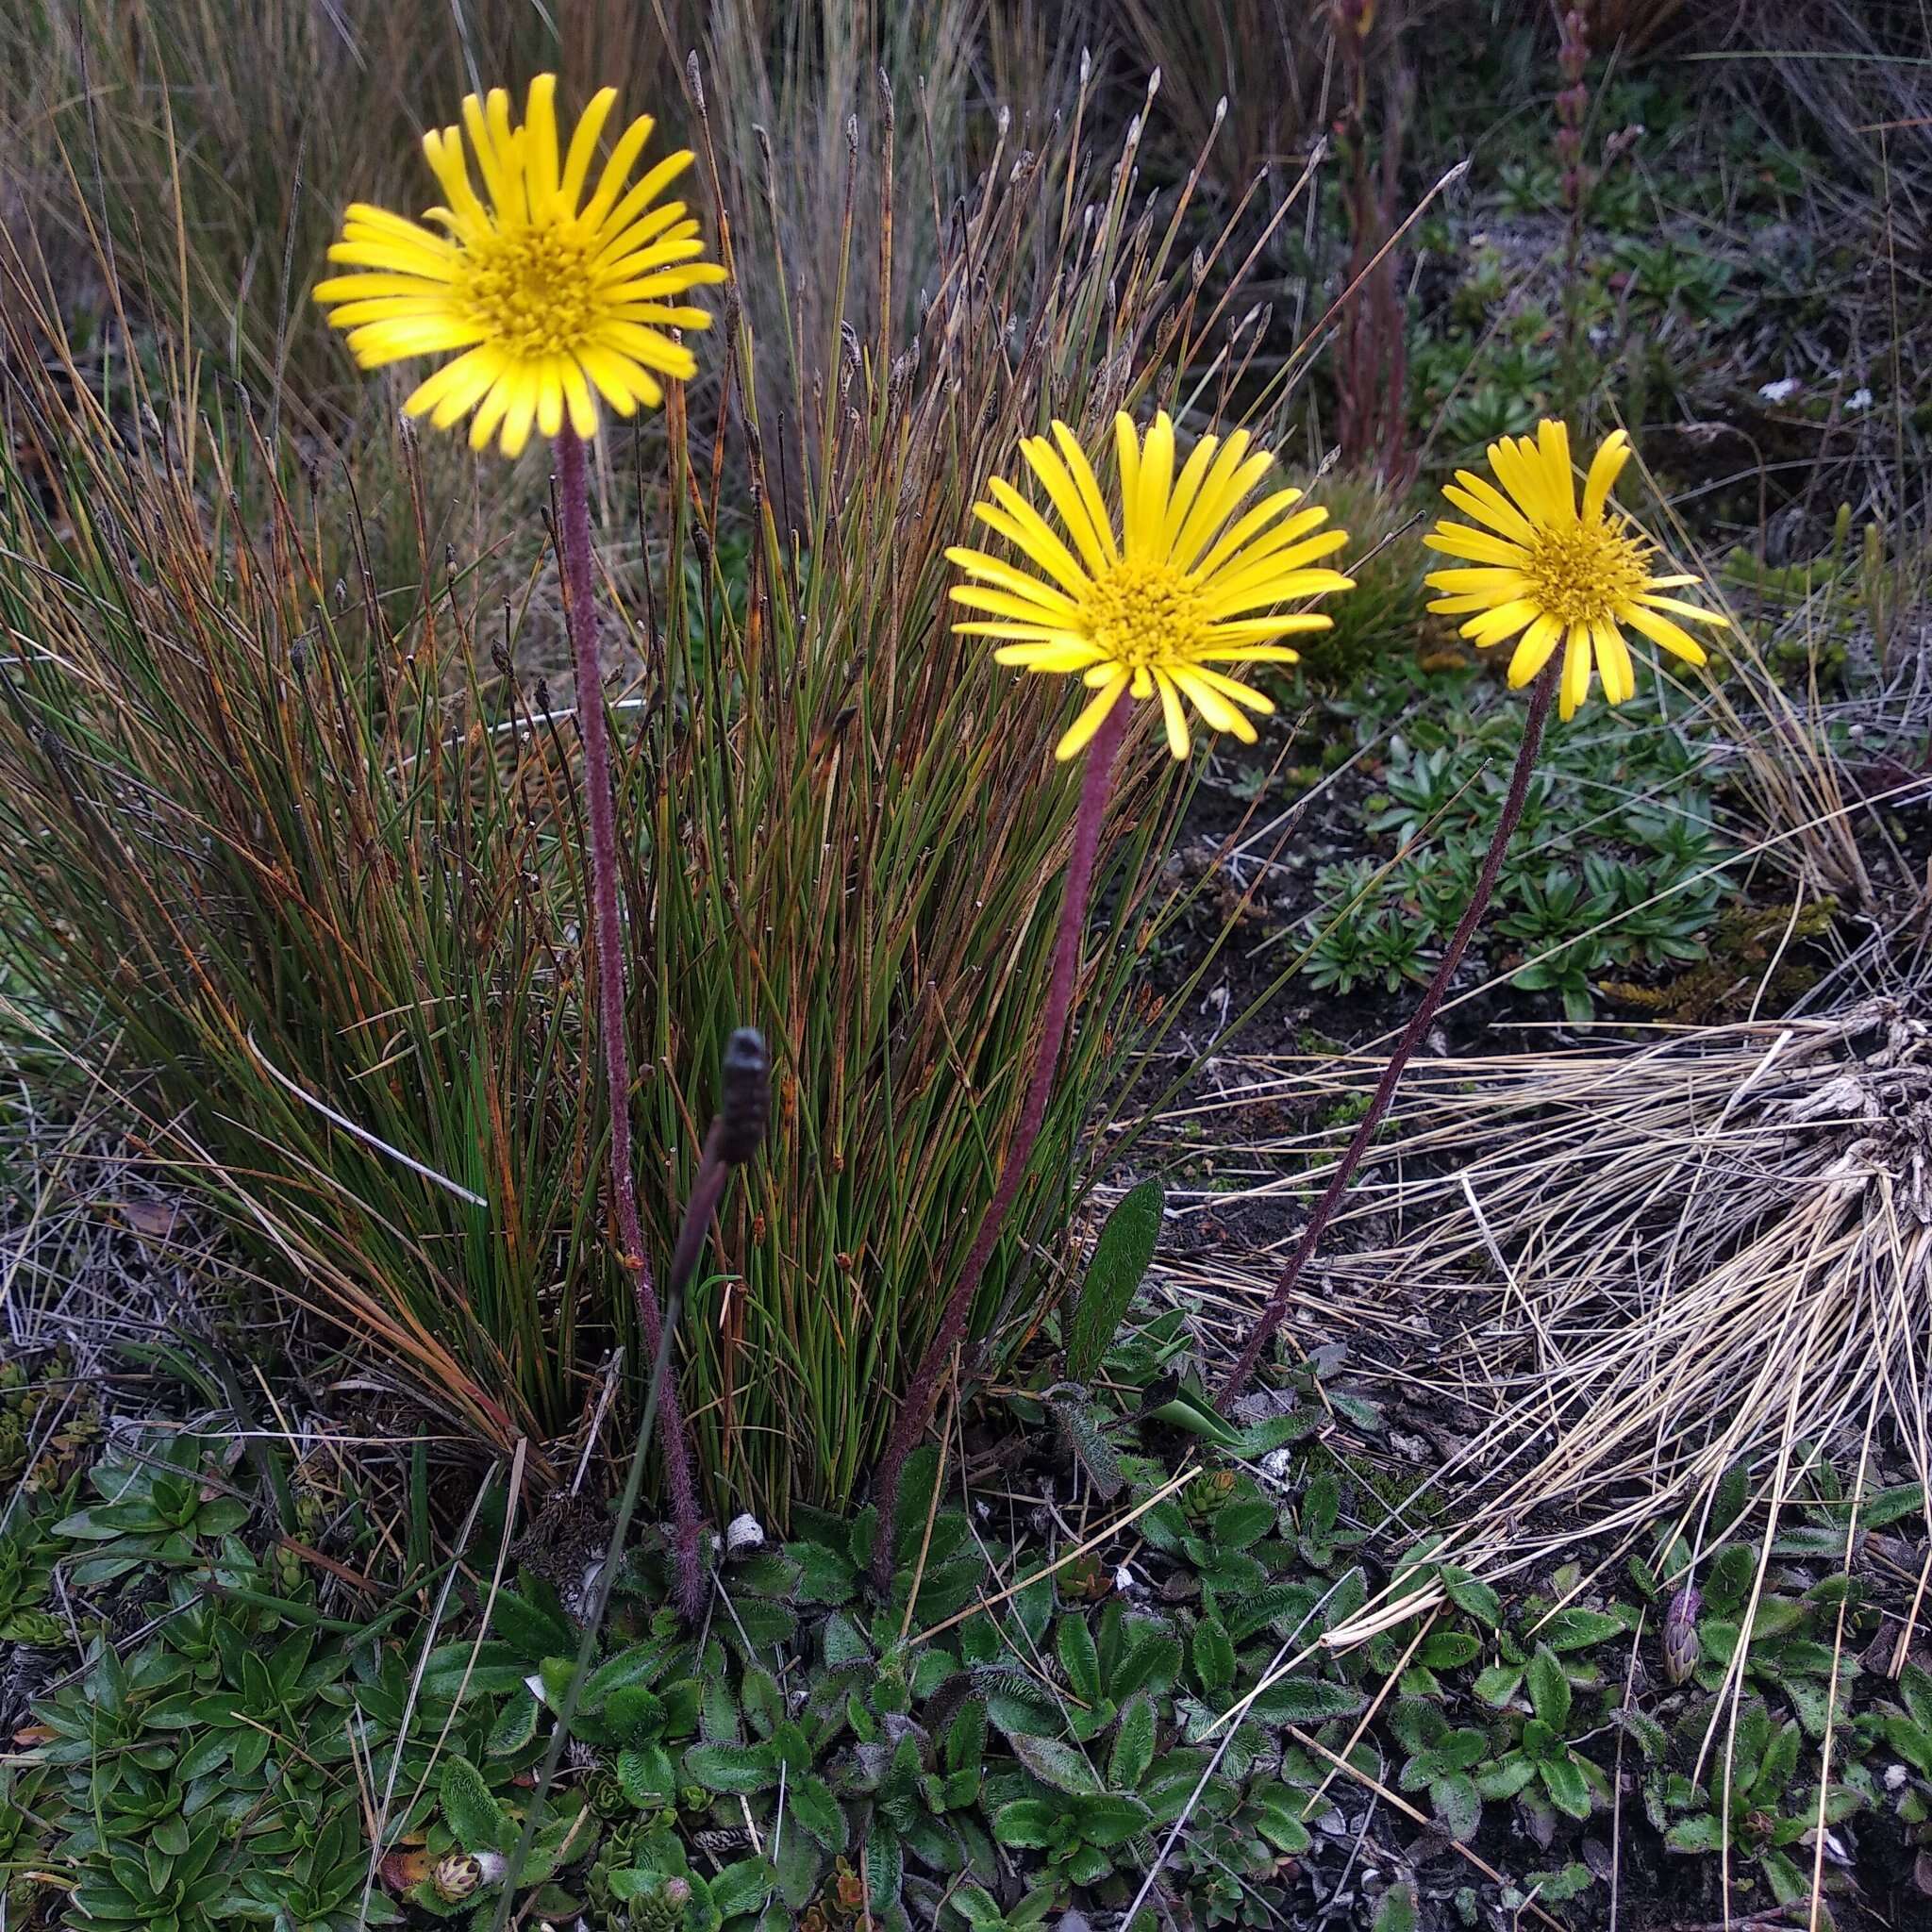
x=549 y=296
x=1557 y=573
x=1192 y=582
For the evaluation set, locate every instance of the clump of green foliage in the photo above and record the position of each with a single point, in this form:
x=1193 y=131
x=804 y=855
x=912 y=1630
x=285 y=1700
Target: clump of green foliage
x=1618 y=865
x=1380 y=620
x=1002 y=1736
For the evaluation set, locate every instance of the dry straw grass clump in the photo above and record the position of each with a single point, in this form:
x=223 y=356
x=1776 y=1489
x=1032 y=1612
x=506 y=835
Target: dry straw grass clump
x=1696 y=1255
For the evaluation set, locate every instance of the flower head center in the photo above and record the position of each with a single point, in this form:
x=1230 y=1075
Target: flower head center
x=1143 y=614
x=1584 y=573
x=531 y=288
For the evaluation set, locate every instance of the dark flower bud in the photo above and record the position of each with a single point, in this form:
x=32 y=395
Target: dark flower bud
x=1681 y=1647
x=746 y=1108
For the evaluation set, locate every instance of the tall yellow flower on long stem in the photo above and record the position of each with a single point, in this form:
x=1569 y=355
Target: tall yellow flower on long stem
x=1191 y=582
x=1548 y=572
x=1190 y=587
x=553 y=299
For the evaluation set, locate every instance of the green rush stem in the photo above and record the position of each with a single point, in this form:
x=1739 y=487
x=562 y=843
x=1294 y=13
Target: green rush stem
x=1534 y=719
x=1096 y=782
x=580 y=620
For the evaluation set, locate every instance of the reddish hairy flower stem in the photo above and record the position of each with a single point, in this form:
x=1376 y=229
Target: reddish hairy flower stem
x=1535 y=716
x=1097 y=783
x=594 y=728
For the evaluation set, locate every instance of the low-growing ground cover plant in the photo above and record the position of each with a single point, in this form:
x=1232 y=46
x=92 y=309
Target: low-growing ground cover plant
x=1011 y=1731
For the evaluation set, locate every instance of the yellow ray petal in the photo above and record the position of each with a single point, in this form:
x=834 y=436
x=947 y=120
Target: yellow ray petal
x=1233 y=687
x=458 y=386
x=489 y=410
x=1613 y=660
x=1501 y=582
x=995 y=570
x=1155 y=480
x=1027 y=527
x=1678 y=607
x=1004 y=603
x=1187 y=486
x=1576 y=671
x=612 y=262
x=1503 y=621
x=1489 y=507
x=647 y=346
x=1660 y=631
x=614 y=376
x=1553 y=443
x=1051 y=652
x=408 y=259
x=540 y=142
x=1533 y=650
x=1215 y=709
x=1173 y=716
x=1613 y=454
x=493 y=166
x=1046 y=464
x=648 y=187
x=583 y=144
x=1459 y=540
x=617 y=167
x=1088 y=484
x=392 y=308
x=443 y=149
x=1080 y=733
x=377 y=342
x=1126 y=446
x=578 y=399
x=360 y=288
x=1521 y=475
x=1246 y=629
x=1003 y=628
x=1250 y=654
x=521 y=412
x=550 y=396
x=1234 y=475
x=1242 y=532
x=1259 y=552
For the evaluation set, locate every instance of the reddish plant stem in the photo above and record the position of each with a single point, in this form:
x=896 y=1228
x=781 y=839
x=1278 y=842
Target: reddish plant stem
x=915 y=1410
x=594 y=728
x=1535 y=716
x=706 y=1192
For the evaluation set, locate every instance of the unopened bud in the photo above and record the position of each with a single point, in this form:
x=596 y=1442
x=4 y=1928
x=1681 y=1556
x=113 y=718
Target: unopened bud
x=747 y=1099
x=455 y=1876
x=1681 y=1647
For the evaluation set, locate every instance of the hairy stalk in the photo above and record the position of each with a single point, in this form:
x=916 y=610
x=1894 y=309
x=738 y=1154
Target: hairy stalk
x=1096 y=782
x=580 y=620
x=1535 y=716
